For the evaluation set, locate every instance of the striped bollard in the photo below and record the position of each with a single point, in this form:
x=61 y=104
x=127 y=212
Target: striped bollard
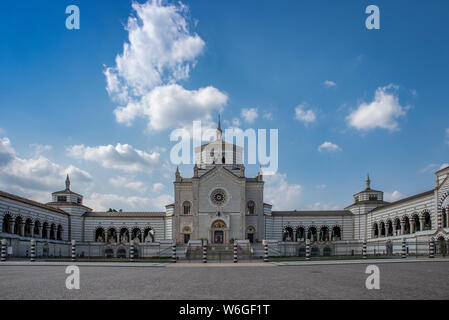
x=404 y=248
x=265 y=252
x=235 y=252
x=432 y=249
x=308 y=250
x=3 y=250
x=73 y=250
x=131 y=251
x=364 y=249
x=173 y=253
x=204 y=253
x=33 y=250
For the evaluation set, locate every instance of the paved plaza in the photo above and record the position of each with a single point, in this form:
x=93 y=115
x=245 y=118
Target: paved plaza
x=410 y=280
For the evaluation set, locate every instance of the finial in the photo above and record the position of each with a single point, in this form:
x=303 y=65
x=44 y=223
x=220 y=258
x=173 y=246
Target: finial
x=219 y=132
x=368 y=182
x=67 y=183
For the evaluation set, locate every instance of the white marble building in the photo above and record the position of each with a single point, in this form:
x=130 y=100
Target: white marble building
x=220 y=204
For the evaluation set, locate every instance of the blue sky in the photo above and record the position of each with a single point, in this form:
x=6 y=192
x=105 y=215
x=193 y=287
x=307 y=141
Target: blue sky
x=374 y=100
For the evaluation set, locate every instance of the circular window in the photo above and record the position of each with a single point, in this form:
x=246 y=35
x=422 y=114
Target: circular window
x=218 y=197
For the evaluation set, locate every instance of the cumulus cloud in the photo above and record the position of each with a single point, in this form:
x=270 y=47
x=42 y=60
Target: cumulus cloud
x=34 y=176
x=393 y=196
x=304 y=114
x=124 y=182
x=250 y=115
x=329 y=147
x=160 y=51
x=102 y=202
x=281 y=194
x=268 y=115
x=383 y=112
x=121 y=157
x=329 y=84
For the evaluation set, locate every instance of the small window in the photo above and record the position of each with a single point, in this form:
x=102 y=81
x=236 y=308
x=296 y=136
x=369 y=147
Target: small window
x=62 y=199
x=78 y=200
x=373 y=197
x=251 y=207
x=186 y=207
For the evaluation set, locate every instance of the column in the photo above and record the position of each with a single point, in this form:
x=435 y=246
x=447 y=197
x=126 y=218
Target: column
x=412 y=226
x=32 y=230
x=22 y=229
x=402 y=228
x=422 y=220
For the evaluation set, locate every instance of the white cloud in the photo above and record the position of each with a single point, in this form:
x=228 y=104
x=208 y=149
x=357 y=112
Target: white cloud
x=321 y=186
x=123 y=182
x=161 y=50
x=268 y=115
x=323 y=206
x=35 y=177
x=40 y=148
x=158 y=187
x=250 y=115
x=304 y=113
x=102 y=202
x=435 y=167
x=236 y=122
x=172 y=105
x=393 y=196
x=281 y=194
x=329 y=147
x=383 y=112
x=121 y=157
x=329 y=84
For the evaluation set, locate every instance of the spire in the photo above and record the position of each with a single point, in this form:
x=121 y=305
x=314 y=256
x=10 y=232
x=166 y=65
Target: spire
x=67 y=183
x=368 y=182
x=219 y=132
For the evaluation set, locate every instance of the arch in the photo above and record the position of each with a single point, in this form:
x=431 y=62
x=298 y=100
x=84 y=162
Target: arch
x=6 y=226
x=124 y=235
x=416 y=223
x=312 y=233
x=109 y=252
x=148 y=234
x=186 y=207
x=112 y=235
x=444 y=216
x=324 y=233
x=375 y=230
x=315 y=251
x=28 y=227
x=397 y=226
x=100 y=235
x=382 y=229
x=287 y=234
x=60 y=233
x=406 y=224
x=327 y=251
x=389 y=226
x=136 y=234
x=336 y=233
x=427 y=221
x=251 y=206
x=218 y=224
x=37 y=228
x=300 y=233
x=45 y=230
x=18 y=226
x=53 y=232
x=250 y=231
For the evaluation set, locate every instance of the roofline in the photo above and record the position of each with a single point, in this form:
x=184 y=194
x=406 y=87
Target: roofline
x=31 y=202
x=416 y=196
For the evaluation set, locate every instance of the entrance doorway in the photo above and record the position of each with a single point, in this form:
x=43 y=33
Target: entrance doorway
x=186 y=238
x=219 y=237
x=251 y=237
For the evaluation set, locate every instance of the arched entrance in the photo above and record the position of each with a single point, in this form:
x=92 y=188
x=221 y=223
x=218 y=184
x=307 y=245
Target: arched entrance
x=250 y=233
x=219 y=232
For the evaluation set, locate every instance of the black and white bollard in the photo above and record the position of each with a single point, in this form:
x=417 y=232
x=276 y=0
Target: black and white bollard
x=308 y=250
x=364 y=249
x=265 y=252
x=204 y=252
x=33 y=250
x=173 y=253
x=131 y=251
x=432 y=248
x=3 y=258
x=235 y=252
x=404 y=248
x=73 y=250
